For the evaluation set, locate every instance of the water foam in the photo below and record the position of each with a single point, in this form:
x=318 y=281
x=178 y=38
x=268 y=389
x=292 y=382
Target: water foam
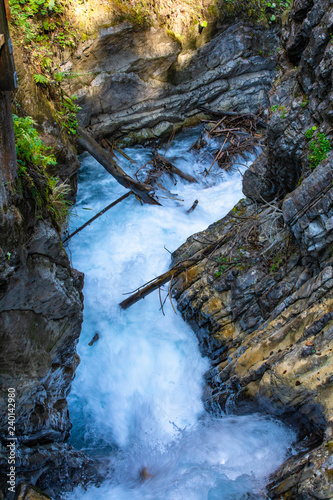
x=138 y=389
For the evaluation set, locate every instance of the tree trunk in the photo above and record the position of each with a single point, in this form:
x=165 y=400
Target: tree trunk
x=89 y=144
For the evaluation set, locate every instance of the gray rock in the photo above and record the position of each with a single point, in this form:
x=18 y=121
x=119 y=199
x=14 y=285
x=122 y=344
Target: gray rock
x=308 y=210
x=136 y=81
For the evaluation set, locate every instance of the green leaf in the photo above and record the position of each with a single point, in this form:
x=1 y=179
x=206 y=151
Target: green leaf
x=43 y=80
x=59 y=76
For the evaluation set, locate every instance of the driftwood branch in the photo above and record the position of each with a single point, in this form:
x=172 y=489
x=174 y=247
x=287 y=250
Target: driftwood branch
x=142 y=292
x=141 y=190
x=192 y=207
x=110 y=147
x=175 y=271
x=98 y=215
x=219 y=114
x=159 y=159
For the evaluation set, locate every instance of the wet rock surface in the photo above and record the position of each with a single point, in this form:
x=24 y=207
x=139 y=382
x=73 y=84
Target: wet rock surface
x=53 y=468
x=262 y=302
x=40 y=322
x=143 y=83
x=41 y=306
x=262 y=311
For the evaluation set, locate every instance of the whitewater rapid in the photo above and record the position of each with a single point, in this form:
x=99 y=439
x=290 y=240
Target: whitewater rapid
x=136 y=400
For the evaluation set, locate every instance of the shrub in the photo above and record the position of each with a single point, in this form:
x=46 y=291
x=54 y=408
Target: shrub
x=320 y=147
x=34 y=182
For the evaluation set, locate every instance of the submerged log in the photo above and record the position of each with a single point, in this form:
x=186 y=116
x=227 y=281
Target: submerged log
x=141 y=190
x=171 y=168
x=192 y=207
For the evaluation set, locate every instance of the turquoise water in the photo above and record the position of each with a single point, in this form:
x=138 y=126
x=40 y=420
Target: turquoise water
x=136 y=400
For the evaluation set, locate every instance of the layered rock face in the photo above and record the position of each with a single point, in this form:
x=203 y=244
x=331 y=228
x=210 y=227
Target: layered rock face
x=40 y=321
x=262 y=302
x=141 y=83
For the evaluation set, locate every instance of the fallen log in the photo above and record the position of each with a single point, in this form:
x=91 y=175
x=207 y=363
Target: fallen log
x=171 y=168
x=89 y=144
x=155 y=283
x=98 y=215
x=220 y=114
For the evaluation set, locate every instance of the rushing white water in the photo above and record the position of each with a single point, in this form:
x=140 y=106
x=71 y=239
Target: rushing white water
x=137 y=392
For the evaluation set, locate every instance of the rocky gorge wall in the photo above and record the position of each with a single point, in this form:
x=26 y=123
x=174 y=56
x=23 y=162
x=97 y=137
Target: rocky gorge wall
x=41 y=306
x=262 y=301
x=142 y=84
x=132 y=80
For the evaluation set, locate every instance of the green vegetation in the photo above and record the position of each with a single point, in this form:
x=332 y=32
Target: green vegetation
x=30 y=148
x=305 y=102
x=319 y=146
x=42 y=22
x=276 y=264
x=258 y=9
x=139 y=13
x=144 y=13
x=33 y=179
x=240 y=262
x=42 y=28
x=309 y=133
x=223 y=266
x=282 y=109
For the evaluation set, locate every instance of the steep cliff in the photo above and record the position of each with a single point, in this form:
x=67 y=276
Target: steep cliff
x=40 y=321
x=262 y=301
x=145 y=84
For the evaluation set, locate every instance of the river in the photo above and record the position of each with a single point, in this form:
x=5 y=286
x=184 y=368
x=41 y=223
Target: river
x=136 y=400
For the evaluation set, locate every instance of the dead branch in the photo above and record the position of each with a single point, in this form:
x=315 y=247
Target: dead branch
x=199 y=143
x=124 y=155
x=169 y=167
x=233 y=114
x=218 y=155
x=160 y=297
x=114 y=203
x=146 y=289
x=216 y=126
x=169 y=292
x=192 y=207
x=170 y=140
